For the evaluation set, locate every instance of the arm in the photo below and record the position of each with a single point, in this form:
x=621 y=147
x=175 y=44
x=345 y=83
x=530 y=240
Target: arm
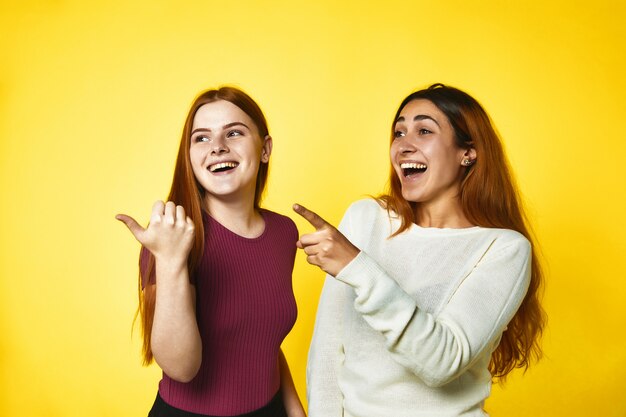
x=291 y=400
x=436 y=348
x=176 y=343
x=439 y=348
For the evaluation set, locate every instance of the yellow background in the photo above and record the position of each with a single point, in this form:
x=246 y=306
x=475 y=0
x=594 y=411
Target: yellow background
x=92 y=101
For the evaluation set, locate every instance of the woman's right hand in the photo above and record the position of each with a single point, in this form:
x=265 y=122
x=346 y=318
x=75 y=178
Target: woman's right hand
x=169 y=235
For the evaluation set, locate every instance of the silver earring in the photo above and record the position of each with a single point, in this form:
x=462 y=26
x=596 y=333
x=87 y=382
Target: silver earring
x=467 y=162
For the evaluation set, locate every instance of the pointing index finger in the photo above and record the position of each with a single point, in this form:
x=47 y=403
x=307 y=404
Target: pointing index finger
x=310 y=216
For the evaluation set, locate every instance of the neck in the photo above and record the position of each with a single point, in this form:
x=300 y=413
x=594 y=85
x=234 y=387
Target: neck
x=236 y=214
x=447 y=214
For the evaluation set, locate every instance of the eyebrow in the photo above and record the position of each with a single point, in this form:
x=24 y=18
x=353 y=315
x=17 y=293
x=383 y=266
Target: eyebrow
x=226 y=126
x=418 y=117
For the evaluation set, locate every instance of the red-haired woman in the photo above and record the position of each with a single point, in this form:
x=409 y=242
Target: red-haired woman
x=433 y=288
x=215 y=294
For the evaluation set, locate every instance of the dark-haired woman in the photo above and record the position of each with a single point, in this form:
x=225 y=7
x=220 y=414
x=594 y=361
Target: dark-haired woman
x=216 y=297
x=432 y=289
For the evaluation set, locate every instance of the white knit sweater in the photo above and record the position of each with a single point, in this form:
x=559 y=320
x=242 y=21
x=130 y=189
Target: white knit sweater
x=408 y=327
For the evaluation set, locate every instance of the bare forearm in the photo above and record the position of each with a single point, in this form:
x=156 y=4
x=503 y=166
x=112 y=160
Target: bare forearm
x=291 y=401
x=176 y=343
x=175 y=340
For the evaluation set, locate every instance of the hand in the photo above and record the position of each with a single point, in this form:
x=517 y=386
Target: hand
x=326 y=247
x=170 y=234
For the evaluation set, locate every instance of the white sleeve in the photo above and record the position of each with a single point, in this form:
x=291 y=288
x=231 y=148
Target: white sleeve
x=438 y=349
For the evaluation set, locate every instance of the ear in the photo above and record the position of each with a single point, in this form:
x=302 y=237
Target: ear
x=266 y=151
x=469 y=157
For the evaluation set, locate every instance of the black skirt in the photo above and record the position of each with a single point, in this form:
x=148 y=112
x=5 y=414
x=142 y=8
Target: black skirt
x=274 y=408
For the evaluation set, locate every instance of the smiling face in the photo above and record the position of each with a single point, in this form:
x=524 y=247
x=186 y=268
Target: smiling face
x=425 y=156
x=226 y=151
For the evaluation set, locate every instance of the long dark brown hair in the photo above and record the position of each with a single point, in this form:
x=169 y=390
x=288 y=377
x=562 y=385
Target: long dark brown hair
x=187 y=192
x=489 y=198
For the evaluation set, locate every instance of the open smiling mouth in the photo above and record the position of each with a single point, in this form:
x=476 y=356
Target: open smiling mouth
x=412 y=168
x=223 y=166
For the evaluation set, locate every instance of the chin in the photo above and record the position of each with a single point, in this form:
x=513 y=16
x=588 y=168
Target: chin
x=411 y=197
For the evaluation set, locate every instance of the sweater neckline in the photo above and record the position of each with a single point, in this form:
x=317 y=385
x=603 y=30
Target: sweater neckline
x=224 y=229
x=444 y=230
x=415 y=228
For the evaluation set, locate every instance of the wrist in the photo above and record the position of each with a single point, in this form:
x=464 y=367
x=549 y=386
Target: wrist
x=170 y=266
x=347 y=260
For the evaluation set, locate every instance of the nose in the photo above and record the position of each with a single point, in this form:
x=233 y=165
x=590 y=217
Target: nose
x=219 y=146
x=406 y=146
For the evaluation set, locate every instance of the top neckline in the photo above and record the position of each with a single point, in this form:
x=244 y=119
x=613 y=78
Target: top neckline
x=219 y=225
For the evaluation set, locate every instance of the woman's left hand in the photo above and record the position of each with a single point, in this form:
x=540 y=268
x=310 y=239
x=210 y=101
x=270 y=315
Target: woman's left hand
x=326 y=247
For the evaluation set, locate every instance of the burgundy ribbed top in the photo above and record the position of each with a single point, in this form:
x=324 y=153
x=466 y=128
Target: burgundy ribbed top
x=245 y=308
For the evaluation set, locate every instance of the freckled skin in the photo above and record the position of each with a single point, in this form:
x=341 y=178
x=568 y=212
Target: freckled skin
x=222 y=132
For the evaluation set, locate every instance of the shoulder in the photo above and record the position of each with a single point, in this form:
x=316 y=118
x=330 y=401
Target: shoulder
x=366 y=208
x=276 y=217
x=506 y=242
x=363 y=218
x=508 y=237
x=279 y=221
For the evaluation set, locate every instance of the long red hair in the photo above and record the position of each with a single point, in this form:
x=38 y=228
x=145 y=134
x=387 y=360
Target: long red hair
x=187 y=192
x=489 y=198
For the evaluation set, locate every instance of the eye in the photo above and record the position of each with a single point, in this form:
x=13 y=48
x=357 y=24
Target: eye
x=234 y=133
x=201 y=138
x=398 y=134
x=424 y=131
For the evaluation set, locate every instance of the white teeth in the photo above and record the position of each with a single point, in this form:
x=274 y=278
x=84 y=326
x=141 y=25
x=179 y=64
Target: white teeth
x=412 y=165
x=221 y=165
